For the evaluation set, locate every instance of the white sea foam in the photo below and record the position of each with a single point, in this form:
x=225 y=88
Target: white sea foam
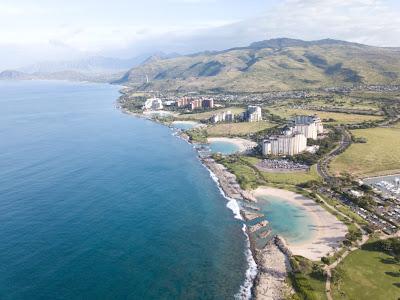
x=232 y=203
x=251 y=272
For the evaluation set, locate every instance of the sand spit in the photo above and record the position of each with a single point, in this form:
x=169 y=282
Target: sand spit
x=328 y=232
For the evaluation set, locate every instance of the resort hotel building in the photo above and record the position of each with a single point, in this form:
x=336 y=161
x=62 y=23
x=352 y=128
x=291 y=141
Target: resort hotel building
x=285 y=144
x=293 y=140
x=226 y=116
x=253 y=114
x=153 y=104
x=195 y=103
x=310 y=126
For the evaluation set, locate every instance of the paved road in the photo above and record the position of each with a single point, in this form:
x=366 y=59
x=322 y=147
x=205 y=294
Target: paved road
x=322 y=165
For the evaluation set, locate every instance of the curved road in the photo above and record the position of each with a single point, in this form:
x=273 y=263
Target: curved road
x=322 y=165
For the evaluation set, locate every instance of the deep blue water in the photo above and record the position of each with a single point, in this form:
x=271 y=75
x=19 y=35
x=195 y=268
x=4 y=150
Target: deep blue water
x=96 y=204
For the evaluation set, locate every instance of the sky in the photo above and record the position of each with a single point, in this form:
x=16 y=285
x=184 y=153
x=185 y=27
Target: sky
x=41 y=30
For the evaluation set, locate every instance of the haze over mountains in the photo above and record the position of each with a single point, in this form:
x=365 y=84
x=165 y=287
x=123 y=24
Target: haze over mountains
x=277 y=64
x=96 y=68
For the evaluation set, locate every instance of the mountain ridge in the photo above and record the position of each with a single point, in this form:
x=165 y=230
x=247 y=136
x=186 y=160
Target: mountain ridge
x=276 y=64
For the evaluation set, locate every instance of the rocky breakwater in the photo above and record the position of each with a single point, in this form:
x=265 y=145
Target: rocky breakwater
x=282 y=245
x=250 y=216
x=273 y=267
x=258 y=226
x=227 y=181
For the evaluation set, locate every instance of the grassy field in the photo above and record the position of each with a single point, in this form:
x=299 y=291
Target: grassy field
x=237 y=129
x=207 y=114
x=307 y=279
x=367 y=275
x=247 y=176
x=338 y=101
x=340 y=118
x=379 y=155
x=294 y=178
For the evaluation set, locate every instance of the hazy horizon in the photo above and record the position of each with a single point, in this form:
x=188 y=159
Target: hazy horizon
x=48 y=31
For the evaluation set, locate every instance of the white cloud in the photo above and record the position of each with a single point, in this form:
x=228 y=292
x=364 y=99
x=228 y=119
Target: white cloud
x=38 y=28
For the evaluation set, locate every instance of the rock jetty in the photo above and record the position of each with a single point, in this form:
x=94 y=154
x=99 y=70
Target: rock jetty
x=264 y=234
x=250 y=216
x=258 y=226
x=273 y=267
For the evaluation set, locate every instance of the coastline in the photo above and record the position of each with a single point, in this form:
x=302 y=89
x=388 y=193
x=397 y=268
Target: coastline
x=246 y=290
x=268 y=267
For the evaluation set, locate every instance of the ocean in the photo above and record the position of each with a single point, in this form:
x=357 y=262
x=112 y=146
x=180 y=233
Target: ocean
x=97 y=204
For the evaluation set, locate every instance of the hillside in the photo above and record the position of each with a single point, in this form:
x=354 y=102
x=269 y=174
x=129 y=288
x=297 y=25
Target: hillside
x=278 y=64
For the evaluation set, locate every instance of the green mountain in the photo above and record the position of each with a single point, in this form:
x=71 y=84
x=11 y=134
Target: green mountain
x=277 y=64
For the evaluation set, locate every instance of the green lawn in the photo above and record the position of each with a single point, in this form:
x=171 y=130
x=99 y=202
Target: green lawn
x=309 y=283
x=380 y=155
x=247 y=176
x=237 y=129
x=207 y=114
x=346 y=102
x=367 y=275
x=340 y=118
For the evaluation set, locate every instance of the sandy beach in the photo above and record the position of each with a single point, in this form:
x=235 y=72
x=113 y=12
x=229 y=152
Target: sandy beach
x=328 y=232
x=243 y=145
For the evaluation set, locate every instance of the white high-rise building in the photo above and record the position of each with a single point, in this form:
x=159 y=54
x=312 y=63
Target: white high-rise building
x=226 y=116
x=287 y=144
x=153 y=104
x=310 y=126
x=253 y=113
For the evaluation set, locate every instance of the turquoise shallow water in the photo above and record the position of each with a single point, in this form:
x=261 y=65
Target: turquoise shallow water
x=288 y=220
x=96 y=204
x=223 y=147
